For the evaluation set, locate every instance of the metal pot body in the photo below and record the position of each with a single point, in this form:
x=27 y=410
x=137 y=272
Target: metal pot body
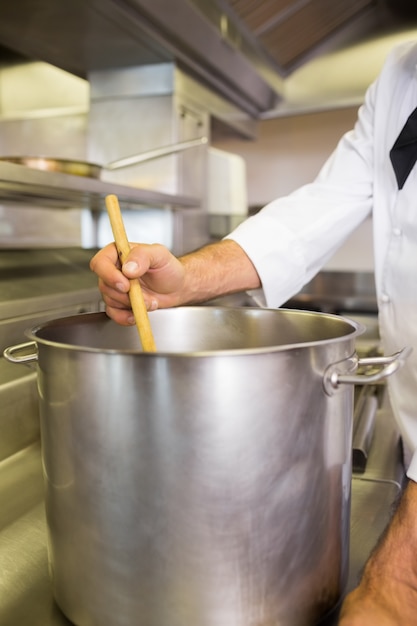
x=206 y=484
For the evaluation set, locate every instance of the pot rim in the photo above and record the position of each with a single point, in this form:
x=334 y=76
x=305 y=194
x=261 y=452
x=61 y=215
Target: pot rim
x=356 y=329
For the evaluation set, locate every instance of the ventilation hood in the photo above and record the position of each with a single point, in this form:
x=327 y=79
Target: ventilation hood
x=252 y=53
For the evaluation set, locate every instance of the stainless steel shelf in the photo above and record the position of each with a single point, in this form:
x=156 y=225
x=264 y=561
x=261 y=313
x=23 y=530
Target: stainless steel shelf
x=22 y=185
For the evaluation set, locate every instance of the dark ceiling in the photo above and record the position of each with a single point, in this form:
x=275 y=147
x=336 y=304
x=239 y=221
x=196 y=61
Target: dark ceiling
x=291 y=32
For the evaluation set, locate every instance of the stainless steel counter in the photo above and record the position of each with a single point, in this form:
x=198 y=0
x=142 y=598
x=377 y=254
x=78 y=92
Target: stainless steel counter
x=25 y=588
x=338 y=292
x=375 y=491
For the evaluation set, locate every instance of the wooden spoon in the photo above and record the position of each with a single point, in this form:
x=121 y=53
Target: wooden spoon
x=135 y=293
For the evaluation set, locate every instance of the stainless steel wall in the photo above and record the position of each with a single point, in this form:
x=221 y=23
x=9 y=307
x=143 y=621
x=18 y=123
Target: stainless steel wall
x=43 y=111
x=129 y=111
x=136 y=109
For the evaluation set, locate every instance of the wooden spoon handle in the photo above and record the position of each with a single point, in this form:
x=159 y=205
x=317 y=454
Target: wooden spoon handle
x=135 y=293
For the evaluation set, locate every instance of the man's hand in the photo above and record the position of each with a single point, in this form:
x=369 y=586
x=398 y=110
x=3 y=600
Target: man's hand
x=167 y=281
x=161 y=274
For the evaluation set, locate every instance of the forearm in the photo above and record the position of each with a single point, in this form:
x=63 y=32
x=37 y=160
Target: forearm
x=387 y=593
x=396 y=552
x=218 y=269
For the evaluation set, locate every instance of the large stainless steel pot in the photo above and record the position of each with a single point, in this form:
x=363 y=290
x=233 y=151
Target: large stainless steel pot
x=207 y=484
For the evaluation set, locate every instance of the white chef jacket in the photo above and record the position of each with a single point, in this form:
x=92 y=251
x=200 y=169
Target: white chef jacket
x=291 y=239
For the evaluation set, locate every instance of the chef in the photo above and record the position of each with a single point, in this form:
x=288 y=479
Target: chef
x=274 y=253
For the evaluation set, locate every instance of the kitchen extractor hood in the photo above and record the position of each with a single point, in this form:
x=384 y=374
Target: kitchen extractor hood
x=82 y=36
x=327 y=51
x=242 y=49
x=291 y=32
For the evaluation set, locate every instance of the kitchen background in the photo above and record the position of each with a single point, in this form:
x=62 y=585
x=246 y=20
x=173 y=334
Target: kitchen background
x=272 y=85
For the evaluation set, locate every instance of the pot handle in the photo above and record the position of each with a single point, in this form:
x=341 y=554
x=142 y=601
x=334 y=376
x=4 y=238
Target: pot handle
x=387 y=365
x=12 y=354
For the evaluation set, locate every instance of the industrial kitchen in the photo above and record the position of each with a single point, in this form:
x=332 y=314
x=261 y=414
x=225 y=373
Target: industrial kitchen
x=223 y=461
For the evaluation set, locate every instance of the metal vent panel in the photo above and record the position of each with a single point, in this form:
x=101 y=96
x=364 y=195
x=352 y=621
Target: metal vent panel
x=290 y=31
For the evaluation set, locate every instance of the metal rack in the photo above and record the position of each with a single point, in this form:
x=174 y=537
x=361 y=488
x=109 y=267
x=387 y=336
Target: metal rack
x=64 y=191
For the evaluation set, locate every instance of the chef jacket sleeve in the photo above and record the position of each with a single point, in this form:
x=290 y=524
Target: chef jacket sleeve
x=291 y=238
